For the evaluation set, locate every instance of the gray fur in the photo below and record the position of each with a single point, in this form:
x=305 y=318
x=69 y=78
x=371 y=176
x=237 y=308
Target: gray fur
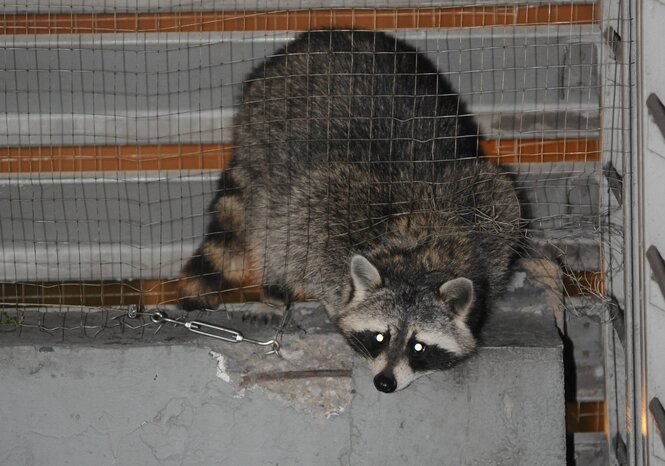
x=351 y=143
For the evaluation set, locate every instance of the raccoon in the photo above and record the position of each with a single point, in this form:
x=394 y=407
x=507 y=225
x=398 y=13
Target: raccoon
x=358 y=180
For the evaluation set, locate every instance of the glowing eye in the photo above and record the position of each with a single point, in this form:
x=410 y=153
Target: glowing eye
x=418 y=347
x=379 y=337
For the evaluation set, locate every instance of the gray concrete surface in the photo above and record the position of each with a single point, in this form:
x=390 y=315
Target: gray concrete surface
x=129 y=397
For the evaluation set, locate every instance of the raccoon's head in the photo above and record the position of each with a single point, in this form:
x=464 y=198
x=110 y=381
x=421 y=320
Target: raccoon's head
x=404 y=329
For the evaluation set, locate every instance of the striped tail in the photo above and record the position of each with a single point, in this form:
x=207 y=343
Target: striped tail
x=221 y=263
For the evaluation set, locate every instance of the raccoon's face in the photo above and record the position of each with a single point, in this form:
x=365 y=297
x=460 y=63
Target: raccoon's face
x=406 y=331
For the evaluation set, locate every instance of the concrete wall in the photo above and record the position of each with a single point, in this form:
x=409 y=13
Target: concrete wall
x=128 y=396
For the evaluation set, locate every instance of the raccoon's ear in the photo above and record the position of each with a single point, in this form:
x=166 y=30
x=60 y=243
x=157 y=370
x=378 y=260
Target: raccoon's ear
x=458 y=294
x=365 y=276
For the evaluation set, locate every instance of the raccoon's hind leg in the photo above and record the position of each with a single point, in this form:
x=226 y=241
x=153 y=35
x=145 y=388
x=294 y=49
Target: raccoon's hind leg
x=222 y=261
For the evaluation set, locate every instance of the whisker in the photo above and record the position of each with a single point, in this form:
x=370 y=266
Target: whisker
x=362 y=348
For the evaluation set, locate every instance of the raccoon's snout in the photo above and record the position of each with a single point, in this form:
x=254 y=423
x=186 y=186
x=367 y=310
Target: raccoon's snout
x=384 y=383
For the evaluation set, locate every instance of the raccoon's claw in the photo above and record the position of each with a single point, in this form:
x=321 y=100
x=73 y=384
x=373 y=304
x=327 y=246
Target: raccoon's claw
x=189 y=305
x=262 y=315
x=199 y=303
x=262 y=319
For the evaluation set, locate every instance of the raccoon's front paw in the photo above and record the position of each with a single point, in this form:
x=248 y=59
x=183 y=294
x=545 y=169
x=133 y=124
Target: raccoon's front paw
x=263 y=315
x=198 y=303
x=194 y=295
x=200 y=286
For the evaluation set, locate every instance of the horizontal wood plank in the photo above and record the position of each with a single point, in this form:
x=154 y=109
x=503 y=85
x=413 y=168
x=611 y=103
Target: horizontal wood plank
x=218 y=156
x=105 y=293
x=162 y=292
x=299 y=20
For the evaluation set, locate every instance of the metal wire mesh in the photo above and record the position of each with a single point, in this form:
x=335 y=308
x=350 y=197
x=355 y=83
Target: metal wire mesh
x=117 y=119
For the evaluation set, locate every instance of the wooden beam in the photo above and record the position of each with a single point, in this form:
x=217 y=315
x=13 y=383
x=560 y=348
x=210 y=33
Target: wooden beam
x=217 y=156
x=299 y=20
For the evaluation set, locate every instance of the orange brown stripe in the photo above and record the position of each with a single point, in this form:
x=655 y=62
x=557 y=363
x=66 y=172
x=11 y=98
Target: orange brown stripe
x=158 y=292
x=299 y=20
x=585 y=416
x=510 y=151
x=584 y=283
x=106 y=293
x=114 y=158
x=218 y=156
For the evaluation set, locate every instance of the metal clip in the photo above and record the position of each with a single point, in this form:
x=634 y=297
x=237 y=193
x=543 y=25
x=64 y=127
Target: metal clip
x=658 y=417
x=222 y=333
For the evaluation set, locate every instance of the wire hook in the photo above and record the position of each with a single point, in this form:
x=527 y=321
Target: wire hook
x=206 y=329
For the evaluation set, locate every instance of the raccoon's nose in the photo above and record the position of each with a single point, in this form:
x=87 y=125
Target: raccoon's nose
x=385 y=384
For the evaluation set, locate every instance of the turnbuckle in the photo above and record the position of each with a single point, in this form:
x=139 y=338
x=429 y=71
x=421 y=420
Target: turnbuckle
x=196 y=326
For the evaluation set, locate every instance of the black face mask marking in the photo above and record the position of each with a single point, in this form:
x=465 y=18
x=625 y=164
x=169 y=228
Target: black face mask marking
x=424 y=357
x=369 y=344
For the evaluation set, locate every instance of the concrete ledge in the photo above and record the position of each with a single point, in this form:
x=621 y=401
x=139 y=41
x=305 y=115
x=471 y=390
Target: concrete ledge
x=129 y=396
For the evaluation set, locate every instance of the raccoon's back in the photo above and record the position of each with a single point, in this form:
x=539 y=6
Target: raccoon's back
x=348 y=210
x=348 y=96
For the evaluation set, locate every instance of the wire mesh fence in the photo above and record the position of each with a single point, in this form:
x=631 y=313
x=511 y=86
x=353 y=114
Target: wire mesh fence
x=117 y=120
